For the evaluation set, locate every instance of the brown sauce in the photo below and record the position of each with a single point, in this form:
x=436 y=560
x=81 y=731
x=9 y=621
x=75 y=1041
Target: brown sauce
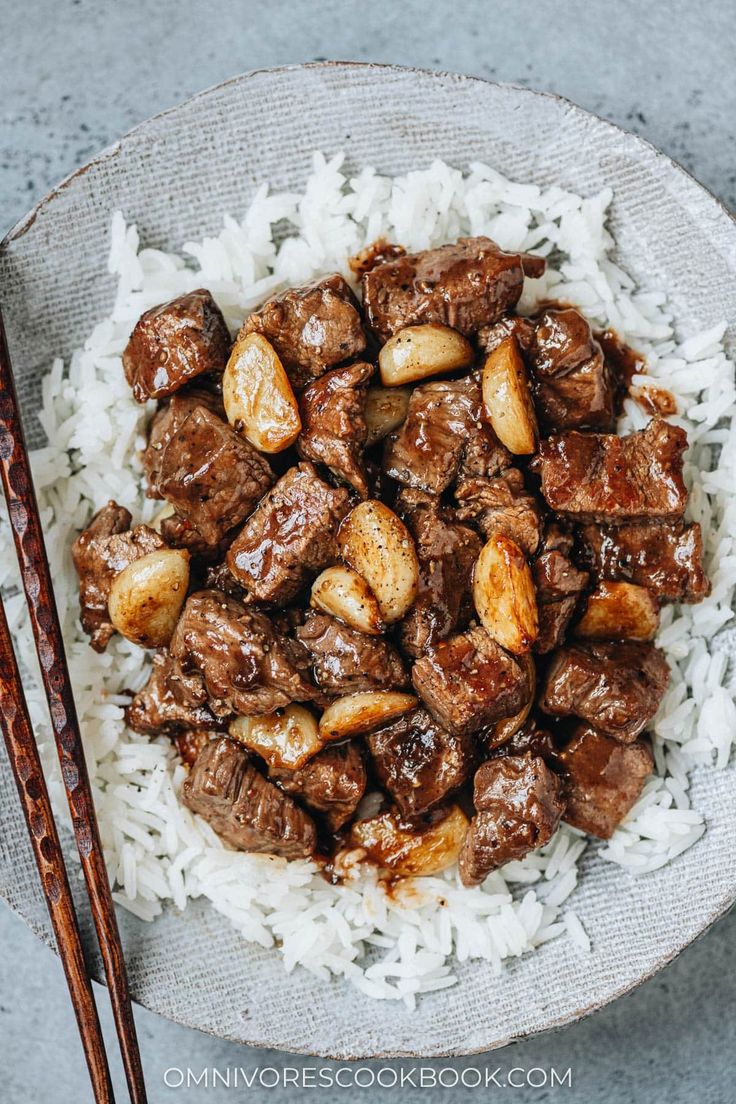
x=625 y=361
x=393 y=885
x=654 y=400
x=553 y=304
x=404 y=891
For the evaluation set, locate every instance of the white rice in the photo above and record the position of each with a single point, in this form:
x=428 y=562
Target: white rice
x=391 y=947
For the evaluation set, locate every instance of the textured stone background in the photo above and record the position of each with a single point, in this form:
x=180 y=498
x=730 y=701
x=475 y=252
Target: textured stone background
x=74 y=75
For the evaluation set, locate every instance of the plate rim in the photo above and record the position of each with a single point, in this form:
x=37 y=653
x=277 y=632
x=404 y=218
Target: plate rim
x=24 y=223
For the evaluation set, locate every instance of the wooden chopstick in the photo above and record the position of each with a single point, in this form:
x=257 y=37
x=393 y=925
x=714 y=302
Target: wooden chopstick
x=34 y=798
x=15 y=472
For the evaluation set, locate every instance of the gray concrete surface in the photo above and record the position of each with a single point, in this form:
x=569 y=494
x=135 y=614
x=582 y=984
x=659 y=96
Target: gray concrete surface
x=74 y=75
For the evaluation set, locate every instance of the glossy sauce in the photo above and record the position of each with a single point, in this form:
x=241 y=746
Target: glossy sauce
x=627 y=363
x=654 y=400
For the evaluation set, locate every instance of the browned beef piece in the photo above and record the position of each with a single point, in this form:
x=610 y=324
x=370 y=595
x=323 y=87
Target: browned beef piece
x=616 y=687
x=624 y=362
x=605 y=779
x=211 y=475
x=175 y=342
x=218 y=577
x=287 y=621
x=246 y=667
x=418 y=762
x=178 y=532
x=502 y=505
x=559 y=584
x=190 y=741
x=469 y=681
x=333 y=423
x=167 y=421
x=447 y=552
x=465 y=285
x=94 y=576
x=331 y=784
x=100 y=552
x=171 y=699
x=666 y=558
x=291 y=536
x=603 y=477
x=518 y=802
x=511 y=325
x=243 y=807
x=345 y=661
x=572 y=382
x=311 y=328
x=443 y=437
x=529 y=740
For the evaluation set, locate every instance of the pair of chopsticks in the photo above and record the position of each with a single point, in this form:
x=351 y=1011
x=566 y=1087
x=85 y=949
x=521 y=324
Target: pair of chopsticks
x=26 y=765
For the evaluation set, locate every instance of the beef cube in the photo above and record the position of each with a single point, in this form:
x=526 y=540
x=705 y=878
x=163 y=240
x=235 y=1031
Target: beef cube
x=190 y=741
x=469 y=681
x=554 y=621
x=511 y=325
x=447 y=552
x=518 y=802
x=167 y=421
x=605 y=779
x=217 y=577
x=603 y=477
x=426 y=450
x=174 y=343
x=331 y=784
x=178 y=532
x=572 y=383
x=101 y=552
x=246 y=667
x=559 y=536
x=502 y=506
x=465 y=285
x=95 y=577
x=528 y=740
x=559 y=585
x=616 y=687
x=345 y=661
x=110 y=521
x=243 y=807
x=334 y=429
x=624 y=363
x=172 y=699
x=442 y=437
x=418 y=762
x=484 y=455
x=291 y=536
x=311 y=328
x=666 y=558
x=211 y=475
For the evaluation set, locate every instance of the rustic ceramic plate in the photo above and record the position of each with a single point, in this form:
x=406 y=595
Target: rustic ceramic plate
x=174 y=176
